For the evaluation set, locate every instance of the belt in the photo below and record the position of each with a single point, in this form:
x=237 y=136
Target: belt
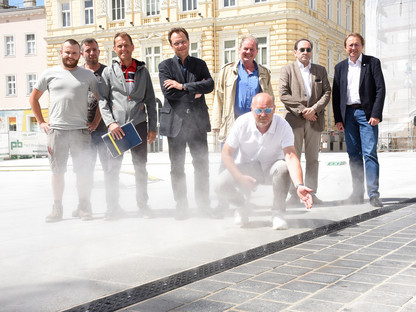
x=355 y=106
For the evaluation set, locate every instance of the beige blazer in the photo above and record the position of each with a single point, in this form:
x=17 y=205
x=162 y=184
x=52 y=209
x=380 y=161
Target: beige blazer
x=293 y=94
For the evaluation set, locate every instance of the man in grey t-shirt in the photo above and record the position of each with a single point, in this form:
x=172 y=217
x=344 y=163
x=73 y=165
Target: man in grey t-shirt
x=68 y=129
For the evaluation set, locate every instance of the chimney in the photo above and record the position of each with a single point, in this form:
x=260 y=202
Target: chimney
x=29 y=3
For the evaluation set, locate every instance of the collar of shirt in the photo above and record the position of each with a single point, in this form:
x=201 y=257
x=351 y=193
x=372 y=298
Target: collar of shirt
x=241 y=67
x=358 y=63
x=132 y=69
x=304 y=68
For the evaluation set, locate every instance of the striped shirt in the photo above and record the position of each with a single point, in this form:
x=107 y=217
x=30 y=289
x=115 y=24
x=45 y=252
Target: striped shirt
x=129 y=73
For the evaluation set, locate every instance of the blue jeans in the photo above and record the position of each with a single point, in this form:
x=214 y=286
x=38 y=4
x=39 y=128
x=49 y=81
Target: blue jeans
x=361 y=139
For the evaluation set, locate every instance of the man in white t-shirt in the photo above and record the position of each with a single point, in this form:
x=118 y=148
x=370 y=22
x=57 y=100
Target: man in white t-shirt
x=266 y=155
x=68 y=128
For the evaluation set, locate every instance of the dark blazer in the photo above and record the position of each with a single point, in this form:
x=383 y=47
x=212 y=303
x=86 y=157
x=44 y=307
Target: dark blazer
x=179 y=103
x=372 y=89
x=293 y=94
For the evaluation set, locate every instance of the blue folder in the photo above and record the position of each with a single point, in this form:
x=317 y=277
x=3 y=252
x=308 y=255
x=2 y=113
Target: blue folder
x=130 y=140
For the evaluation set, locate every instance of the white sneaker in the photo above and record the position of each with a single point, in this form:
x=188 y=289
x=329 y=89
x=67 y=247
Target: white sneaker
x=279 y=223
x=240 y=217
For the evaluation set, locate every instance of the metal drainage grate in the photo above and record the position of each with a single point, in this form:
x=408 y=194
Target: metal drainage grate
x=140 y=293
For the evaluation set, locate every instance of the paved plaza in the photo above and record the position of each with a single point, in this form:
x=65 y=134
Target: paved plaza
x=332 y=258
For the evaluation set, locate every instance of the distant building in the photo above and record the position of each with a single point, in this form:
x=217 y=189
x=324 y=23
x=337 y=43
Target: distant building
x=23 y=59
x=215 y=29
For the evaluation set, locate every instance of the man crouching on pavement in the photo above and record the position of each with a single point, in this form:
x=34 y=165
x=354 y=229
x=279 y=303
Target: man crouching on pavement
x=266 y=155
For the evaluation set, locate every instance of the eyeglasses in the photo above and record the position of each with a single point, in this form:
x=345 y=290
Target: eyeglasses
x=258 y=111
x=177 y=44
x=354 y=45
x=305 y=49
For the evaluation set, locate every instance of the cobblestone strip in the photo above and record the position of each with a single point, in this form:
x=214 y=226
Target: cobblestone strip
x=368 y=267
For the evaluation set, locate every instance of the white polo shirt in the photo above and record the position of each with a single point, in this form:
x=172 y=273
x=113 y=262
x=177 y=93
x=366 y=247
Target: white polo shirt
x=253 y=146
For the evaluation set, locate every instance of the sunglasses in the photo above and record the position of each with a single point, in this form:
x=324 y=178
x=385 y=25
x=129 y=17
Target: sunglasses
x=305 y=49
x=258 y=111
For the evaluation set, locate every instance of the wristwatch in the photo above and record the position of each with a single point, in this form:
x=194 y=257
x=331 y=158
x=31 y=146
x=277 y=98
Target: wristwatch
x=297 y=185
x=183 y=87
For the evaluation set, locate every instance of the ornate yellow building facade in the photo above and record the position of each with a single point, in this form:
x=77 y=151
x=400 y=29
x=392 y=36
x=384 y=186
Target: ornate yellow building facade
x=215 y=28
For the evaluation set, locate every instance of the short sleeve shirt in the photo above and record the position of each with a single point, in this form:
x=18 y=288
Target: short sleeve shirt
x=68 y=93
x=253 y=146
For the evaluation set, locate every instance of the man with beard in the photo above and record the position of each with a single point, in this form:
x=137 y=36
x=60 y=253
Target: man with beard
x=266 y=155
x=91 y=52
x=68 y=129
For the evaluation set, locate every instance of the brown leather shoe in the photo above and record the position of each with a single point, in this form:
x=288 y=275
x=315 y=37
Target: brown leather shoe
x=56 y=213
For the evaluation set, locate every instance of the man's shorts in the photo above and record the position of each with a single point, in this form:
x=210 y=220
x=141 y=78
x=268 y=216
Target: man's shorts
x=61 y=143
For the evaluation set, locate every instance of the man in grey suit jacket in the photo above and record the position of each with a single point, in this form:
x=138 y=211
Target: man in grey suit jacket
x=184 y=119
x=305 y=91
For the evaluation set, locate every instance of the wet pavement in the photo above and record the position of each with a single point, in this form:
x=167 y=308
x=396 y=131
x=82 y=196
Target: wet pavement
x=334 y=257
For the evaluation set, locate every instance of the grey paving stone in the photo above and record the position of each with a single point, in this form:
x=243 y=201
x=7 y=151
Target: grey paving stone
x=153 y=305
x=345 y=246
x=352 y=286
x=280 y=256
x=183 y=295
x=400 y=257
x=312 y=246
x=257 y=305
x=207 y=285
x=304 y=263
x=205 y=305
x=275 y=278
x=410 y=307
x=254 y=286
x=409 y=272
x=230 y=277
x=320 y=278
x=386 y=245
x=336 y=270
x=336 y=295
x=403 y=280
x=335 y=251
x=381 y=297
x=361 y=257
x=366 y=278
x=322 y=257
x=360 y=306
x=376 y=269
x=268 y=263
x=292 y=270
x=249 y=269
x=284 y=295
x=361 y=241
x=328 y=240
x=232 y=296
x=350 y=263
x=390 y=263
x=303 y=286
x=311 y=305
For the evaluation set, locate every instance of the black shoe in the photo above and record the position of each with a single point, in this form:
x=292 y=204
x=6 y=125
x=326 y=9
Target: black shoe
x=353 y=200
x=376 y=202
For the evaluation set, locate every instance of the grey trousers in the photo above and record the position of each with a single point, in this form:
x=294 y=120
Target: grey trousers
x=277 y=175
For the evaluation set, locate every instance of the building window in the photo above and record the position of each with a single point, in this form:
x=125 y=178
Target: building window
x=229 y=3
x=9 y=41
x=11 y=85
x=312 y=4
x=339 y=17
x=152 y=7
x=66 y=14
x=348 y=15
x=12 y=124
x=330 y=62
x=31 y=80
x=30 y=44
x=261 y=57
x=89 y=12
x=229 y=51
x=193 y=49
x=118 y=9
x=257 y=1
x=329 y=9
x=189 y=5
x=153 y=57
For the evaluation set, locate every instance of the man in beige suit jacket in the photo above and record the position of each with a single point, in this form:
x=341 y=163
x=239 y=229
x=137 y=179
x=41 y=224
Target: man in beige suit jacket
x=305 y=91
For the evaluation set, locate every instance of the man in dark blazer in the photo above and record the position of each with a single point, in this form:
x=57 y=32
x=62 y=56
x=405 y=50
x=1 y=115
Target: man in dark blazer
x=184 y=119
x=305 y=91
x=358 y=98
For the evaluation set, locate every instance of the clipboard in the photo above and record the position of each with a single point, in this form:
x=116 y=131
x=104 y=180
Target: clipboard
x=127 y=142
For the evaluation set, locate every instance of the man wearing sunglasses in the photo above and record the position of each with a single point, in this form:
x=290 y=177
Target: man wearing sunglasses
x=305 y=91
x=265 y=155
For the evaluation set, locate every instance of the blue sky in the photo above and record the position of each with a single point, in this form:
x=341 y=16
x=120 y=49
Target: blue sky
x=19 y=3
